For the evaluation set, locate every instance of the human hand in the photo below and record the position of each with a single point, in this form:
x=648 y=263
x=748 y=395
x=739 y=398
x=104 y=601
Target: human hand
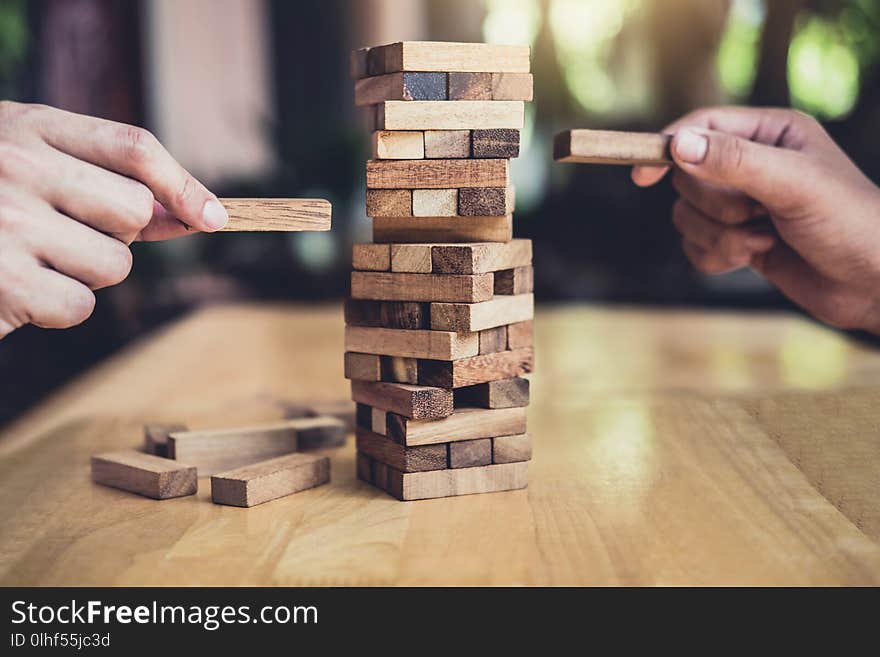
x=737 y=166
x=75 y=191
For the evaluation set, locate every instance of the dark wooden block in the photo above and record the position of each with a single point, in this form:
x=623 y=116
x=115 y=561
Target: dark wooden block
x=476 y=369
x=387 y=314
x=470 y=86
x=364 y=468
x=156 y=437
x=484 y=202
x=417 y=402
x=493 y=340
x=507 y=393
x=470 y=453
x=424 y=86
x=364 y=416
x=495 y=143
x=406 y=459
x=520 y=280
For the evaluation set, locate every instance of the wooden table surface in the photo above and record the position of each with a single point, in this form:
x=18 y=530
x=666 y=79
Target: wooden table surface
x=670 y=448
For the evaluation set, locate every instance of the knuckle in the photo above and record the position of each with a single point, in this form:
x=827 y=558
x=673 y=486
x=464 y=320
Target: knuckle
x=16 y=162
x=138 y=144
x=185 y=192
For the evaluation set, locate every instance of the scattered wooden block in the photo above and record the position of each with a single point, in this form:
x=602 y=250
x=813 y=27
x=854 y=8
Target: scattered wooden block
x=433 y=345
x=387 y=314
x=363 y=367
x=512 y=449
x=470 y=86
x=612 y=147
x=493 y=340
x=443 y=229
x=476 y=369
x=519 y=280
x=463 y=424
x=507 y=393
x=276 y=214
x=470 y=453
x=436 y=174
x=450 y=115
x=498 y=311
x=485 y=201
x=399 y=369
x=498 y=143
x=512 y=86
x=385 y=286
x=156 y=438
x=144 y=474
x=399 y=457
x=379 y=422
x=371 y=257
x=480 y=258
x=411 y=258
x=397 y=144
x=389 y=203
x=364 y=465
x=268 y=480
x=447 y=56
x=400 y=86
x=521 y=334
x=416 y=402
x=434 y=202
x=450 y=482
x=328 y=436
x=447 y=144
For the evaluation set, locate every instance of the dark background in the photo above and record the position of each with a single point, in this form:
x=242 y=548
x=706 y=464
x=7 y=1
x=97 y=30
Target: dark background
x=632 y=64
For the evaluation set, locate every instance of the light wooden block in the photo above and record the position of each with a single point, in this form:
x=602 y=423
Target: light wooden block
x=476 y=369
x=463 y=424
x=399 y=457
x=493 y=340
x=379 y=422
x=485 y=201
x=519 y=280
x=371 y=257
x=156 y=437
x=450 y=115
x=512 y=449
x=433 y=345
x=507 y=393
x=399 y=369
x=499 y=311
x=470 y=86
x=412 y=258
x=392 y=286
x=470 y=453
x=450 y=482
x=447 y=56
x=434 y=202
x=436 y=174
x=387 y=314
x=400 y=86
x=416 y=402
x=612 y=147
x=144 y=474
x=276 y=214
x=389 y=203
x=521 y=334
x=442 y=229
x=398 y=145
x=269 y=480
x=480 y=258
x=498 y=143
x=512 y=86
x=447 y=144
x=363 y=367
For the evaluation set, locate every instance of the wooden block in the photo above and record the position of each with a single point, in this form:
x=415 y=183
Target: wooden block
x=435 y=202
x=450 y=482
x=379 y=423
x=521 y=334
x=401 y=86
x=144 y=474
x=389 y=203
x=476 y=369
x=416 y=402
x=217 y=450
x=371 y=257
x=156 y=438
x=364 y=468
x=485 y=201
x=276 y=214
x=480 y=258
x=436 y=174
x=433 y=345
x=503 y=143
x=329 y=431
x=399 y=457
x=447 y=144
x=519 y=280
x=493 y=340
x=612 y=147
x=341 y=409
x=512 y=86
x=412 y=258
x=470 y=453
x=443 y=229
x=450 y=115
x=499 y=311
x=507 y=393
x=358 y=66
x=512 y=449
x=470 y=86
x=363 y=367
x=364 y=416
x=398 y=369
x=398 y=144
x=268 y=480
x=448 y=56
x=463 y=424
x=384 y=286
x=387 y=314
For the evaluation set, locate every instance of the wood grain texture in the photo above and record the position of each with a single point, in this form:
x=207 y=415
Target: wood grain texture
x=144 y=474
x=497 y=143
x=387 y=314
x=411 y=258
x=389 y=203
x=397 y=144
x=400 y=369
x=392 y=286
x=269 y=480
x=400 y=86
x=416 y=402
x=434 y=203
x=485 y=201
x=434 y=345
x=521 y=334
x=436 y=174
x=463 y=424
x=470 y=453
x=371 y=257
x=379 y=421
x=476 y=369
x=276 y=214
x=156 y=437
x=450 y=115
x=443 y=229
x=448 y=483
x=507 y=393
x=512 y=449
x=493 y=340
x=498 y=311
x=447 y=144
x=480 y=258
x=470 y=86
x=447 y=56
x=363 y=367
x=519 y=280
x=512 y=86
x=612 y=147
x=399 y=457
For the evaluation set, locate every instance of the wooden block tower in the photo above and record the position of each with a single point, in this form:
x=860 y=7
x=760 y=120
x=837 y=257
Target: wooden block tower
x=439 y=324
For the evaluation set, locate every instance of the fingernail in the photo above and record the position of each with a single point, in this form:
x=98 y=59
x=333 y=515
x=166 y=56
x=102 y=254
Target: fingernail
x=691 y=146
x=214 y=214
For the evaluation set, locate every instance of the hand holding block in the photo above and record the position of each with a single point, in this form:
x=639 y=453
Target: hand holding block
x=269 y=480
x=144 y=474
x=276 y=214
x=610 y=147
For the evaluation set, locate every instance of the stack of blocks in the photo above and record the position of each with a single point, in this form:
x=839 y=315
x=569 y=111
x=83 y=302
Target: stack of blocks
x=439 y=324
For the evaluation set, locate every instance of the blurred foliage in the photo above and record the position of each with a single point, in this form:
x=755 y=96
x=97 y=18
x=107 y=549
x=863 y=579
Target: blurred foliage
x=13 y=45
x=738 y=53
